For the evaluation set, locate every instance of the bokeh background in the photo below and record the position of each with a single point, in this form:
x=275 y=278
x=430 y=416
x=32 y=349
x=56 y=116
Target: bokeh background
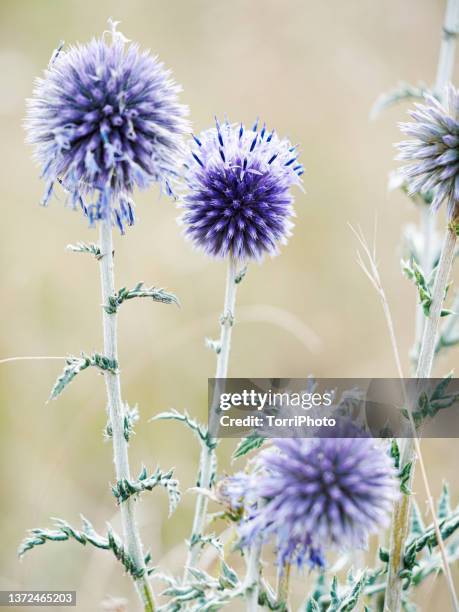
x=312 y=70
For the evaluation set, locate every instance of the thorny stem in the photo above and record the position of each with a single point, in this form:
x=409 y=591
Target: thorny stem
x=410 y=446
x=131 y=536
x=208 y=457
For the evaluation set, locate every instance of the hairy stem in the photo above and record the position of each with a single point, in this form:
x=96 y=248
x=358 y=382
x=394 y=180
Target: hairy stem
x=131 y=536
x=428 y=344
x=401 y=515
x=252 y=577
x=283 y=584
x=208 y=457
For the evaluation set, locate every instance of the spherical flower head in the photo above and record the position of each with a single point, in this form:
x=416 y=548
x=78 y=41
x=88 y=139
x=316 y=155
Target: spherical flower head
x=319 y=493
x=104 y=119
x=238 y=202
x=433 y=152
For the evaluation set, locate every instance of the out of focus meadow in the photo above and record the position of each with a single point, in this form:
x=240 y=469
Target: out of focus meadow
x=310 y=69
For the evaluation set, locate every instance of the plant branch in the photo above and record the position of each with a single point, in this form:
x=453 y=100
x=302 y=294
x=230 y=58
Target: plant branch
x=400 y=522
x=116 y=412
x=208 y=456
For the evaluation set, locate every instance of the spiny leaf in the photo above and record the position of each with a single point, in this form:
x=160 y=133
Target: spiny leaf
x=249 y=444
x=139 y=291
x=350 y=601
x=131 y=416
x=229 y=576
x=417 y=524
x=124 y=489
x=240 y=275
x=75 y=365
x=395 y=453
x=444 y=503
x=213 y=345
x=63 y=531
x=405 y=475
x=199 y=430
x=83 y=247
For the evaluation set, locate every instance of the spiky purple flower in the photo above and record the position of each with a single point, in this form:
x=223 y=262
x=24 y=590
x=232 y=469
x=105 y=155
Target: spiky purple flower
x=238 y=202
x=104 y=119
x=319 y=493
x=433 y=154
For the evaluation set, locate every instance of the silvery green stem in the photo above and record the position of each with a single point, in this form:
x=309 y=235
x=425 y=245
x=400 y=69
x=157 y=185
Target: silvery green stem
x=283 y=584
x=252 y=577
x=442 y=274
x=131 y=536
x=401 y=515
x=207 y=459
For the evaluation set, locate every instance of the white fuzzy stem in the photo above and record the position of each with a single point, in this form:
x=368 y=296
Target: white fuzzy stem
x=401 y=515
x=442 y=274
x=131 y=538
x=207 y=459
x=252 y=577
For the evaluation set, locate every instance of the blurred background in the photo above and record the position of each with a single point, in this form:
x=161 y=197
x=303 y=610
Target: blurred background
x=310 y=69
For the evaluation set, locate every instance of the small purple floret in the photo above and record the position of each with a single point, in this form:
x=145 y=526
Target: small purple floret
x=104 y=119
x=320 y=493
x=238 y=202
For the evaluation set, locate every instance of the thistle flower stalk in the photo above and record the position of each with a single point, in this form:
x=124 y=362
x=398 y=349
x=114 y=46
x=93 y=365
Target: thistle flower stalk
x=131 y=537
x=426 y=332
x=283 y=584
x=208 y=457
x=252 y=577
x=427 y=353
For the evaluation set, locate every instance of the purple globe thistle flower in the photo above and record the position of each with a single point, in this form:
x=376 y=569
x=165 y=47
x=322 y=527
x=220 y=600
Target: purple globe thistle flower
x=433 y=152
x=238 y=202
x=105 y=119
x=319 y=493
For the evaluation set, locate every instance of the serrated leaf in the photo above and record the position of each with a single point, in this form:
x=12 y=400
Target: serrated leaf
x=75 y=365
x=312 y=605
x=350 y=601
x=83 y=247
x=229 y=575
x=157 y=294
x=253 y=442
x=417 y=524
x=199 y=430
x=395 y=453
x=444 y=503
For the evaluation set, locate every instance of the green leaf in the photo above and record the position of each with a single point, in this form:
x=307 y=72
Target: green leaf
x=199 y=430
x=444 y=503
x=139 y=291
x=83 y=247
x=417 y=524
x=312 y=605
x=395 y=453
x=124 y=489
x=63 y=531
x=405 y=475
x=75 y=365
x=229 y=576
x=350 y=601
x=249 y=444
